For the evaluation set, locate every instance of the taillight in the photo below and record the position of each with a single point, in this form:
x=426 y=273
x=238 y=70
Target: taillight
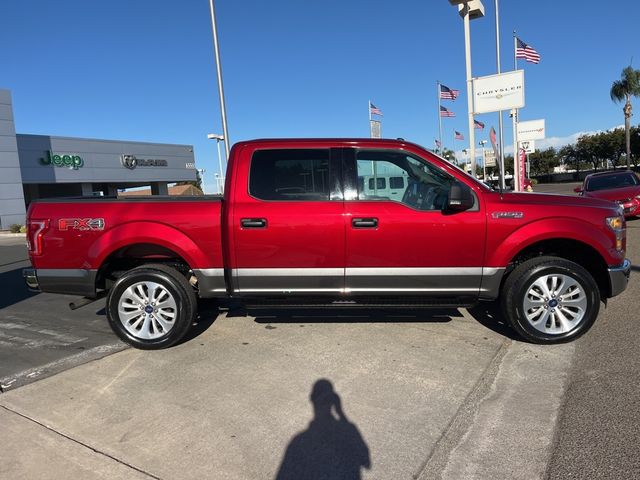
x=35 y=231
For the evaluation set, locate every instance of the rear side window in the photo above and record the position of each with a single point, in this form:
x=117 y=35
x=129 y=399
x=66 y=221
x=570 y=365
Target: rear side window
x=290 y=174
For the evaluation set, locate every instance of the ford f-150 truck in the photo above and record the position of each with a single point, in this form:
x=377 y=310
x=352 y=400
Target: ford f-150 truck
x=311 y=222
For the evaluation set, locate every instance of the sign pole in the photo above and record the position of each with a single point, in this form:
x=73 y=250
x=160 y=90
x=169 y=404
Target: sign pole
x=467 y=48
x=516 y=186
x=440 y=118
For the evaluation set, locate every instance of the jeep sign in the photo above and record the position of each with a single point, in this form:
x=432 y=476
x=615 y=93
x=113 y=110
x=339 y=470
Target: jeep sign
x=71 y=161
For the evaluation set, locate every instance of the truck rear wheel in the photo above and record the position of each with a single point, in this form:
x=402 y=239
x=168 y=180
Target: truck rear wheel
x=151 y=307
x=550 y=300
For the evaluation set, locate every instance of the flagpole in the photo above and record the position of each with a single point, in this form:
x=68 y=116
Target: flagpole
x=516 y=150
x=440 y=118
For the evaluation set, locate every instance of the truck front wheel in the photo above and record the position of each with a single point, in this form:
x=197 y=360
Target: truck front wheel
x=151 y=307
x=550 y=300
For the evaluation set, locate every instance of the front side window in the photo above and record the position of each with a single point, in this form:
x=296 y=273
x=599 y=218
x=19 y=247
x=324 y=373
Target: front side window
x=411 y=181
x=290 y=174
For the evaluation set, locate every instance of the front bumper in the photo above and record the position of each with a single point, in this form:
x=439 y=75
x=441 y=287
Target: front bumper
x=31 y=279
x=619 y=277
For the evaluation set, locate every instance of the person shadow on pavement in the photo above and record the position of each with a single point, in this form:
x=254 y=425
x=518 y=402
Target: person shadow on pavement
x=330 y=448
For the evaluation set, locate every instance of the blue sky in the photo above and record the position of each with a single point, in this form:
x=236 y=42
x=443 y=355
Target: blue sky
x=144 y=70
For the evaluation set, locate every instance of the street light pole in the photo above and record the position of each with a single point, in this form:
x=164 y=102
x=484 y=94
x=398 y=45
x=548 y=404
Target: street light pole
x=482 y=143
x=467 y=52
x=216 y=48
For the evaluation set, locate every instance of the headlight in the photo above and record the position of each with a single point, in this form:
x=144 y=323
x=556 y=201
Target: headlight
x=617 y=224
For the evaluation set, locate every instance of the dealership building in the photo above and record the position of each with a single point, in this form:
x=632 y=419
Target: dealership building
x=43 y=166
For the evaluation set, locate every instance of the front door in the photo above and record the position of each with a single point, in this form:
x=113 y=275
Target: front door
x=400 y=237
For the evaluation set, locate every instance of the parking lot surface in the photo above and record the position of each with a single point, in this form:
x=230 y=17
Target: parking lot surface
x=399 y=394
x=39 y=334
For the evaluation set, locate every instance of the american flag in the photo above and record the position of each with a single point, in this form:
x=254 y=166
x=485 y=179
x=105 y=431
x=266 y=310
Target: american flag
x=447 y=93
x=527 y=52
x=374 y=110
x=478 y=125
x=459 y=136
x=492 y=137
x=438 y=144
x=446 y=113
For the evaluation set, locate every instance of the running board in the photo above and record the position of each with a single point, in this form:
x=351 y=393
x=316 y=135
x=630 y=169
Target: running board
x=361 y=302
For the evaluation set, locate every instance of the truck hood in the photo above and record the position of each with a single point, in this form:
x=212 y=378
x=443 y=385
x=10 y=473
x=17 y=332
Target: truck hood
x=614 y=194
x=557 y=200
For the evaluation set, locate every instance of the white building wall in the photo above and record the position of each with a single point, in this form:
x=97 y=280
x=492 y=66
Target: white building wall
x=12 y=209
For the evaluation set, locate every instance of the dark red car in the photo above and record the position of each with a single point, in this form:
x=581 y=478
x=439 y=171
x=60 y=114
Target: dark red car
x=621 y=187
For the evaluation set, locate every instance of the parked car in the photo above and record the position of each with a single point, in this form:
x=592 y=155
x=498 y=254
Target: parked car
x=621 y=187
x=296 y=227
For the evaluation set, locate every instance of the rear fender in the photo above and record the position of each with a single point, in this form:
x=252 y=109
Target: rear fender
x=145 y=232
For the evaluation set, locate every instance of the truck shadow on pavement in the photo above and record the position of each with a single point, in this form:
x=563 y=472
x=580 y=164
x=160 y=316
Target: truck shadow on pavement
x=487 y=314
x=330 y=447
x=13 y=288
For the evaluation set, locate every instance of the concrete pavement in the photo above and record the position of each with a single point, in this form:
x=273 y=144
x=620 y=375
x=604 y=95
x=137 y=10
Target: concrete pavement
x=228 y=403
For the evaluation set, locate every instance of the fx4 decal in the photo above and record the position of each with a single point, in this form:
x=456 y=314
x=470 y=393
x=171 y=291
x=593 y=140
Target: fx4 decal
x=82 y=224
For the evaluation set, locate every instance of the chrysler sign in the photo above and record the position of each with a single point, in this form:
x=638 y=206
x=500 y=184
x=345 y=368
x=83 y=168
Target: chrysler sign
x=131 y=162
x=495 y=93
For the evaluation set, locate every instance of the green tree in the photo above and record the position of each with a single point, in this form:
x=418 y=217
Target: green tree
x=543 y=162
x=621 y=91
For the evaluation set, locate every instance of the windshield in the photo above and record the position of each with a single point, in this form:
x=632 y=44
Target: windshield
x=607 y=182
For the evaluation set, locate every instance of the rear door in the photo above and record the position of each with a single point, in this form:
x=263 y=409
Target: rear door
x=287 y=222
x=404 y=241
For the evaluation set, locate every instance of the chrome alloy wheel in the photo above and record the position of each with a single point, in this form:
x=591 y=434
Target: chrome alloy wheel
x=147 y=310
x=555 y=304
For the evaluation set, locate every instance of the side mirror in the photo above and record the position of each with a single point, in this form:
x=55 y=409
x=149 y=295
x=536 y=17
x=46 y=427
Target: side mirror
x=578 y=189
x=460 y=198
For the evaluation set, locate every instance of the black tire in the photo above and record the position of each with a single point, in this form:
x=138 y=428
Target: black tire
x=174 y=288
x=520 y=282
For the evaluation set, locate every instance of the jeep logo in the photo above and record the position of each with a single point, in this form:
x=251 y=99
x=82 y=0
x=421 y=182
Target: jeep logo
x=131 y=162
x=71 y=161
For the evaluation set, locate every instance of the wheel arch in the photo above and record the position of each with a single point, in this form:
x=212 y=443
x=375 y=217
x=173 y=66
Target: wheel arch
x=576 y=251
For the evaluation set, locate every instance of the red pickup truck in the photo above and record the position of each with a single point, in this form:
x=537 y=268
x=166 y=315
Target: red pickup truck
x=334 y=222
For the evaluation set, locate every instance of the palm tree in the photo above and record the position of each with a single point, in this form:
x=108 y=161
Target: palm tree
x=622 y=90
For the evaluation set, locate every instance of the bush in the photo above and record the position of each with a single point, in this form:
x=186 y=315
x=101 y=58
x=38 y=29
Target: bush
x=534 y=181
x=23 y=229
x=15 y=228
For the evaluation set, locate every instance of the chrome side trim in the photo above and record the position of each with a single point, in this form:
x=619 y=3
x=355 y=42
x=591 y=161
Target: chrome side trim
x=70 y=281
x=414 y=271
x=290 y=290
x=211 y=282
x=619 y=277
x=289 y=272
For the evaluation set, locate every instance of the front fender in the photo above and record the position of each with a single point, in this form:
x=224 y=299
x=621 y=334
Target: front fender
x=133 y=233
x=552 y=229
